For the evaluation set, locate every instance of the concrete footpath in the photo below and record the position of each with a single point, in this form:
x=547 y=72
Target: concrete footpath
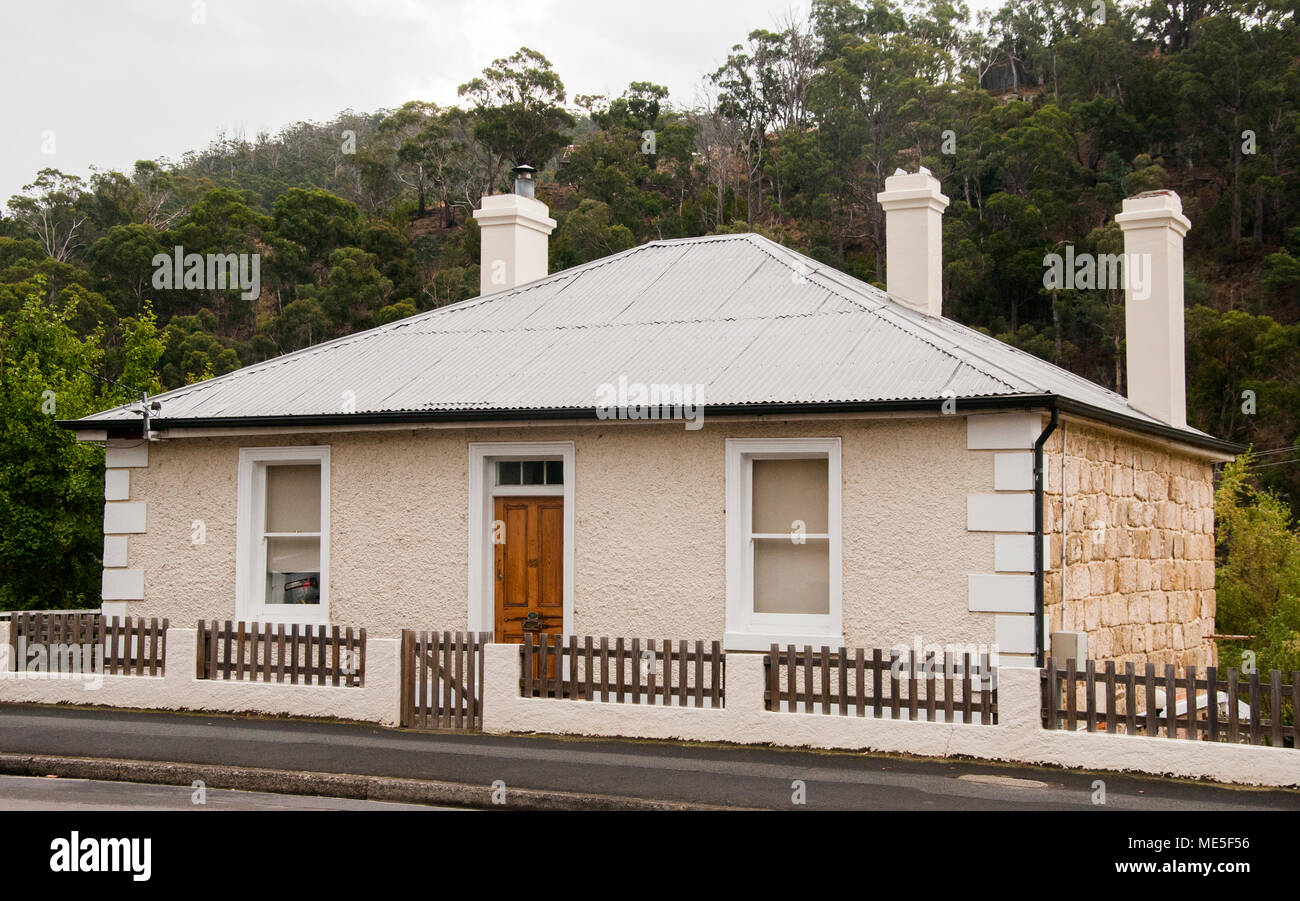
x=363 y=762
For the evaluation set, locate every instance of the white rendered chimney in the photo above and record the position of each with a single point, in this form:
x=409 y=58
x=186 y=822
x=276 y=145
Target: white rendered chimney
x=1154 y=225
x=514 y=231
x=914 y=208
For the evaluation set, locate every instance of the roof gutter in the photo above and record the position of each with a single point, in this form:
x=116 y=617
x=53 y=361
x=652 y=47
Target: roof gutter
x=1039 y=563
x=924 y=405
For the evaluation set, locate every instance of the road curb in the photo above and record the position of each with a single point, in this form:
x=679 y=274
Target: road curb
x=330 y=785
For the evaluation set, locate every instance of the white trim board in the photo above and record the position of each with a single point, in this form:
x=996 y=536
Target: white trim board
x=481 y=599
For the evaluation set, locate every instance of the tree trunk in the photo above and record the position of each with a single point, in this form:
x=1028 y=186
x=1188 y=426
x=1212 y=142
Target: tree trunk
x=1056 y=329
x=1258 y=226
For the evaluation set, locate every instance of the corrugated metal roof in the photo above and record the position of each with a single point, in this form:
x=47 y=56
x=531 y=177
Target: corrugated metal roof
x=750 y=320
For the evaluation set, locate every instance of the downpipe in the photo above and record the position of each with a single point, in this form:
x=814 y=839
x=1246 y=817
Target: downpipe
x=1039 y=563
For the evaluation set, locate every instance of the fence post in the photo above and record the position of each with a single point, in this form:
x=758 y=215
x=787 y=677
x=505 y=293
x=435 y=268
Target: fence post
x=406 y=671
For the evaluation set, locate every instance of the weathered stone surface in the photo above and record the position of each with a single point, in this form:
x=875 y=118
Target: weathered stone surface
x=1138 y=542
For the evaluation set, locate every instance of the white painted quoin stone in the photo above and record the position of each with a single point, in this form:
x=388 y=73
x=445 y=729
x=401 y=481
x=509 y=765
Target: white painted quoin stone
x=1001 y=593
x=1003 y=431
x=123 y=585
x=1000 y=512
x=1013 y=472
x=124 y=518
x=1015 y=553
x=114 y=550
x=117 y=484
x=1008 y=591
x=122 y=453
x=121 y=518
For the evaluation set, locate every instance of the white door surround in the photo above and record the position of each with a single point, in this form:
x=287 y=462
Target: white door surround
x=483 y=491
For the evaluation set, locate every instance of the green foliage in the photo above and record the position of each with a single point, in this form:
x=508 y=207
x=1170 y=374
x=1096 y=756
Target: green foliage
x=192 y=352
x=51 y=486
x=394 y=312
x=586 y=234
x=518 y=107
x=1257 y=582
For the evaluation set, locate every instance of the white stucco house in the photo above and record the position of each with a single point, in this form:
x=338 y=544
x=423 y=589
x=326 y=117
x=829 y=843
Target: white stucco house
x=708 y=438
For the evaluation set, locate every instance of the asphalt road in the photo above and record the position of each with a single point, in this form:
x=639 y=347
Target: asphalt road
x=28 y=793
x=717 y=775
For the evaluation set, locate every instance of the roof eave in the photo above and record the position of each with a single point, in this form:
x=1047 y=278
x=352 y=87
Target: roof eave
x=985 y=404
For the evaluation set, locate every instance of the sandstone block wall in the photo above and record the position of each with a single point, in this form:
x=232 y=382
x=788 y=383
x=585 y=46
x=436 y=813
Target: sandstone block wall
x=1136 y=520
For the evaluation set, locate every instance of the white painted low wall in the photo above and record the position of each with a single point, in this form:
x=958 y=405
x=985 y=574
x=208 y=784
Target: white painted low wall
x=376 y=701
x=1019 y=735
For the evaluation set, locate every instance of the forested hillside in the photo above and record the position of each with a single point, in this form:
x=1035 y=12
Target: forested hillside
x=1038 y=120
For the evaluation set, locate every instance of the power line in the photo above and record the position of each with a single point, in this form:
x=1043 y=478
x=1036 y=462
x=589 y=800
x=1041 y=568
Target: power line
x=1256 y=466
x=1276 y=450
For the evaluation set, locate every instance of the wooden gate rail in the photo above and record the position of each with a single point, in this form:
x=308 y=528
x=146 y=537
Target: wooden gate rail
x=300 y=654
x=442 y=680
x=1230 y=708
x=851 y=682
x=658 y=672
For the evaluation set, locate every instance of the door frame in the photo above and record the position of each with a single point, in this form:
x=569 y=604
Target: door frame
x=483 y=492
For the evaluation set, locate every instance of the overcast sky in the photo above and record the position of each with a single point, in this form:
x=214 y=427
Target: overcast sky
x=108 y=82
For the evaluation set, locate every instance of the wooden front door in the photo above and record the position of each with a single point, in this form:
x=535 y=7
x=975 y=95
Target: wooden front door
x=529 y=566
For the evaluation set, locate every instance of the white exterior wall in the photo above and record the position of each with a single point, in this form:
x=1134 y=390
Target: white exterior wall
x=650 y=527
x=936 y=527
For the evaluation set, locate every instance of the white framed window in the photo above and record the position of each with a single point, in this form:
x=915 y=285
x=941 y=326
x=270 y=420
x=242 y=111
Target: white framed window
x=783 y=542
x=282 y=543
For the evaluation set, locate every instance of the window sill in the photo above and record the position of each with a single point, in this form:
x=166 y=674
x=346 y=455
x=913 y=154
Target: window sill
x=763 y=641
x=289 y=617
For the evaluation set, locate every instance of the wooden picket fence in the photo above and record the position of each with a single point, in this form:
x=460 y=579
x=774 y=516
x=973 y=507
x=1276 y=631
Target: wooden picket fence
x=657 y=672
x=1225 y=707
x=442 y=680
x=134 y=646
x=297 y=654
x=882 y=684
x=126 y=645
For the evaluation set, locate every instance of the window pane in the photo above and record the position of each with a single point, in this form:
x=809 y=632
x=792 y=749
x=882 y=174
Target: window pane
x=508 y=472
x=293 y=498
x=789 y=490
x=554 y=472
x=293 y=570
x=792 y=578
x=534 y=472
